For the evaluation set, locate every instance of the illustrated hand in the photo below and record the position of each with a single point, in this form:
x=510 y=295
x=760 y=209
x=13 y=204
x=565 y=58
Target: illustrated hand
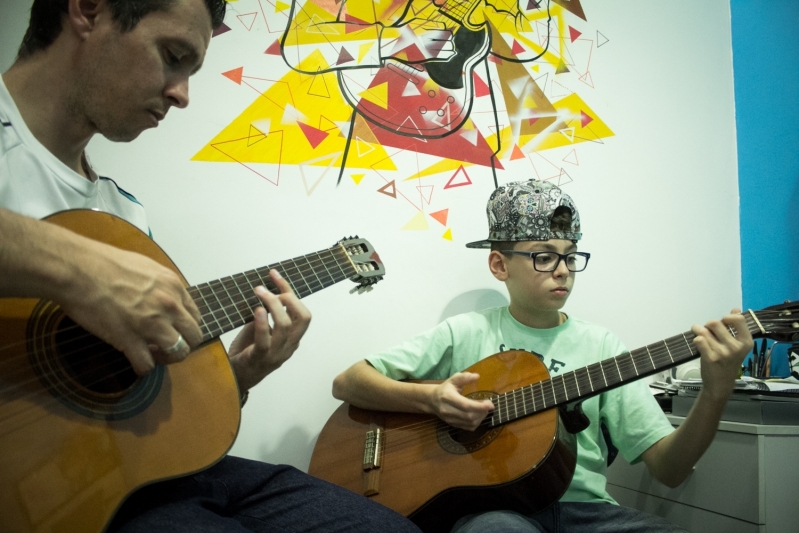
x=454 y=408
x=722 y=353
x=260 y=349
x=133 y=303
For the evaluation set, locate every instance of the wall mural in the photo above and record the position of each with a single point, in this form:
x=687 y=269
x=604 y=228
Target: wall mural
x=412 y=97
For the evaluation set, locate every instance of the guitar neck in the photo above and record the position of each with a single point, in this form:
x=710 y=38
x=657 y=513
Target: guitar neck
x=230 y=302
x=597 y=378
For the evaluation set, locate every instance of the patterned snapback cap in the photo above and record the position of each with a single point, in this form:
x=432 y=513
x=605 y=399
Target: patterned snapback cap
x=522 y=211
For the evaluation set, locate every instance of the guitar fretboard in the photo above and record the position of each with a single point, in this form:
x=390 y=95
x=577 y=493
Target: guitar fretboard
x=596 y=378
x=229 y=302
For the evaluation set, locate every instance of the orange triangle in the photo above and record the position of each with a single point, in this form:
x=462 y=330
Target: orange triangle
x=517 y=153
x=441 y=216
x=234 y=74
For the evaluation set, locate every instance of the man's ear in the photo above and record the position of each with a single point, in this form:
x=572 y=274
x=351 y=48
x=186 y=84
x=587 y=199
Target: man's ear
x=497 y=264
x=82 y=15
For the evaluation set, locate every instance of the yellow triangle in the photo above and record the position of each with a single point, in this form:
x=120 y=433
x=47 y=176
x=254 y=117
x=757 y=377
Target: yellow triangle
x=357 y=178
x=378 y=95
x=418 y=222
x=363 y=50
x=281 y=7
x=447 y=234
x=535 y=68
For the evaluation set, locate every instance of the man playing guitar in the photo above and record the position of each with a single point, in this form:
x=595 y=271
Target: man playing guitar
x=115 y=67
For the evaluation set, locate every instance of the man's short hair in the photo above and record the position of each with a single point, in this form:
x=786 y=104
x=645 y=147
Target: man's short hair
x=46 y=16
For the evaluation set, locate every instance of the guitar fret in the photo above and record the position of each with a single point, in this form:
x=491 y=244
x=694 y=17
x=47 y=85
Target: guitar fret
x=563 y=386
x=576 y=384
x=300 y=290
x=634 y=366
x=515 y=407
x=317 y=285
x=245 y=310
x=669 y=351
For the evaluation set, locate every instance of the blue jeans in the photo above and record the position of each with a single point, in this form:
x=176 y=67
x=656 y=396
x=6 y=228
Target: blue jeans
x=568 y=517
x=238 y=495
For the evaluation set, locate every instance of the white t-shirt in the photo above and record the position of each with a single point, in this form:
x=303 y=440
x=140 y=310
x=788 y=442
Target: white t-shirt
x=35 y=183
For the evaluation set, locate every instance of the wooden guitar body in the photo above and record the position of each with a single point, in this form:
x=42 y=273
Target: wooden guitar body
x=435 y=474
x=73 y=447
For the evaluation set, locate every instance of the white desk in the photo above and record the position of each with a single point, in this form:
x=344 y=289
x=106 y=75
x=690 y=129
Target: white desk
x=747 y=482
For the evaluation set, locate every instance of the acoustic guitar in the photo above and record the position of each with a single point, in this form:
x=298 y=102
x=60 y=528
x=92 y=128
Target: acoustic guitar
x=428 y=98
x=521 y=458
x=79 y=430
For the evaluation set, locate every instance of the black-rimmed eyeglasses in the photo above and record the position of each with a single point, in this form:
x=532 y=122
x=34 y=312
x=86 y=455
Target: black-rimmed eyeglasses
x=549 y=261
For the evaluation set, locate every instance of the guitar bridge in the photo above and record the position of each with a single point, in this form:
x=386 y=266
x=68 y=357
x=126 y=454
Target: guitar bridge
x=371 y=452
x=371 y=462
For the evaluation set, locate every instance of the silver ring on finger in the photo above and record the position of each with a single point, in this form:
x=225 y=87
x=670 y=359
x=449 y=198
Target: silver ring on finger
x=179 y=346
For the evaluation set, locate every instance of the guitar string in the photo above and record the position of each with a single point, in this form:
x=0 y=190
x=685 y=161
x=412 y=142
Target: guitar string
x=628 y=358
x=424 y=425
x=658 y=355
x=54 y=399
x=209 y=311
x=231 y=299
x=661 y=351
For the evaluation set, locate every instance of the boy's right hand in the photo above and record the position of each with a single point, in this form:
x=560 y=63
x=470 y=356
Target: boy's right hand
x=451 y=406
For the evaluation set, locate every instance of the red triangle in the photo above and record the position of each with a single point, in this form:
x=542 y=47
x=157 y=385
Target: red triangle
x=516 y=153
x=441 y=216
x=234 y=74
x=452 y=183
x=480 y=87
x=573 y=34
x=532 y=120
x=344 y=56
x=389 y=189
x=585 y=120
x=494 y=59
x=274 y=48
x=517 y=48
x=313 y=135
x=353 y=23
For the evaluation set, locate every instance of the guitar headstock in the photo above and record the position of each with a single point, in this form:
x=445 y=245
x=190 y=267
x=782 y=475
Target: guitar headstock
x=779 y=322
x=368 y=265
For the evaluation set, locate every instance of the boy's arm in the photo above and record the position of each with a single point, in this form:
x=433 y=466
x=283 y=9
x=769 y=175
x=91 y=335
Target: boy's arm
x=363 y=386
x=672 y=458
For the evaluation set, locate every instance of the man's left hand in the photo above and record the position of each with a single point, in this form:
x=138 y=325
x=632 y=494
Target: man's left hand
x=722 y=353
x=261 y=348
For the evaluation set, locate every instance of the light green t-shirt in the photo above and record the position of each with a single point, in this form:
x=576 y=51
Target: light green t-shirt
x=631 y=414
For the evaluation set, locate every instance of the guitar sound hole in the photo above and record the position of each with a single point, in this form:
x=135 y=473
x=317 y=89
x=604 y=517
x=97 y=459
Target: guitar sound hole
x=85 y=374
x=468 y=438
x=93 y=364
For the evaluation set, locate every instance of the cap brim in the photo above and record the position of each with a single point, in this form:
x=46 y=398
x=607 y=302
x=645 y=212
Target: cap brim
x=485 y=243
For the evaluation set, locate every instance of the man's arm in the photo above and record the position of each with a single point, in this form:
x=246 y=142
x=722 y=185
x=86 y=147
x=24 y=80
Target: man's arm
x=363 y=386
x=672 y=459
x=124 y=298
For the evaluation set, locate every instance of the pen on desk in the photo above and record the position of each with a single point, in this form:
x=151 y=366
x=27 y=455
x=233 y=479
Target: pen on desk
x=761 y=360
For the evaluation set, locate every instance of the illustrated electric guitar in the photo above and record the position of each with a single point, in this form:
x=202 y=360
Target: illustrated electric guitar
x=429 y=98
x=79 y=430
x=521 y=458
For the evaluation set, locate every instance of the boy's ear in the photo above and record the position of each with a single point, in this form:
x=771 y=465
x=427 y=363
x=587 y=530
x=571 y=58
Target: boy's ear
x=497 y=265
x=82 y=15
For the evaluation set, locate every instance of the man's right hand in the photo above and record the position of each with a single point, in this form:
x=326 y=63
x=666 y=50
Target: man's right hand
x=124 y=298
x=133 y=303
x=451 y=406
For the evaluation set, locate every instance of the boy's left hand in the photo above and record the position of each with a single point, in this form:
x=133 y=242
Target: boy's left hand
x=722 y=353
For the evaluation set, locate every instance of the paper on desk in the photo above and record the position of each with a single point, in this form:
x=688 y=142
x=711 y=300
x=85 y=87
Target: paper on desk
x=787 y=385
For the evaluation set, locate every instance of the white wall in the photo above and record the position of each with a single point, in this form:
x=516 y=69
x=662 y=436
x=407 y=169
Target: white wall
x=659 y=205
